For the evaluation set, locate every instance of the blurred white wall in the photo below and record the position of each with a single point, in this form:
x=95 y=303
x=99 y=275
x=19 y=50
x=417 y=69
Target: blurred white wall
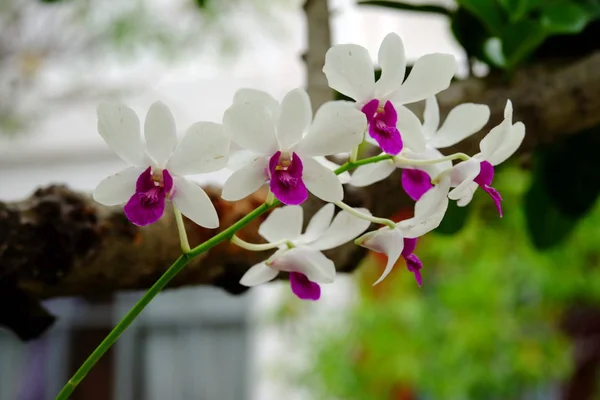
x=67 y=149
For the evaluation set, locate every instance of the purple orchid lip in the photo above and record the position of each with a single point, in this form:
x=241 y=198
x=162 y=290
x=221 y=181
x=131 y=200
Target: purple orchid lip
x=484 y=180
x=413 y=263
x=382 y=126
x=415 y=183
x=304 y=288
x=285 y=172
x=147 y=204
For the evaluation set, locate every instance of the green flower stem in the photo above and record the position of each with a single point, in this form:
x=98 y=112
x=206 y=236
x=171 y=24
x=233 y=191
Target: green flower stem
x=381 y=221
x=353 y=164
x=173 y=270
x=407 y=161
x=183 y=239
x=261 y=246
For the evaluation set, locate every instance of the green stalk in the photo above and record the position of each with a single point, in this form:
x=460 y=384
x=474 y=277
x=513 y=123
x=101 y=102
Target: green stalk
x=172 y=272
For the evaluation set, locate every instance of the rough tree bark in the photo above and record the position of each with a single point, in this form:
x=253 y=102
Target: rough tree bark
x=61 y=243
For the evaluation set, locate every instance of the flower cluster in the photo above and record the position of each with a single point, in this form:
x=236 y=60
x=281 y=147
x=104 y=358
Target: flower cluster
x=284 y=146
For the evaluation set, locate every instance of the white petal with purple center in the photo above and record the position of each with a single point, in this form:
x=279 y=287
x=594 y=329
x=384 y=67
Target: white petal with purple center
x=161 y=136
x=338 y=127
x=321 y=181
x=392 y=62
x=194 y=203
x=117 y=188
x=430 y=75
x=283 y=223
x=258 y=274
x=349 y=70
x=307 y=261
x=120 y=128
x=461 y=176
x=204 y=148
x=294 y=118
x=246 y=180
x=429 y=211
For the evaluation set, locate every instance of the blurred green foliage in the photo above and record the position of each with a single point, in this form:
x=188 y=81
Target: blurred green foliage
x=484 y=324
x=505 y=33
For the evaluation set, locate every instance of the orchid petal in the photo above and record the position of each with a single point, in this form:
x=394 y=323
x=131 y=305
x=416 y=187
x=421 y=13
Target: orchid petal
x=344 y=176
x=283 y=223
x=194 y=203
x=321 y=181
x=392 y=61
x=337 y=128
x=462 y=175
x=258 y=97
x=204 y=148
x=246 y=180
x=252 y=126
x=366 y=175
x=258 y=274
x=462 y=121
x=494 y=139
x=429 y=211
x=431 y=117
x=410 y=129
x=307 y=261
x=510 y=144
x=349 y=70
x=294 y=118
x=387 y=241
x=161 y=136
x=119 y=126
x=344 y=228
x=430 y=75
x=117 y=188
x=318 y=224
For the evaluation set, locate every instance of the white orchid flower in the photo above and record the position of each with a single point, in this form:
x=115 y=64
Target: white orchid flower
x=350 y=71
x=498 y=145
x=287 y=144
x=307 y=266
x=158 y=165
x=402 y=240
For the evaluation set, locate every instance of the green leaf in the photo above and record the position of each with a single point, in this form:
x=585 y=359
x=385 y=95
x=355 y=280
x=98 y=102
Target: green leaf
x=489 y=12
x=454 y=220
x=470 y=32
x=426 y=8
x=546 y=224
x=564 y=18
x=572 y=167
x=520 y=40
x=517 y=9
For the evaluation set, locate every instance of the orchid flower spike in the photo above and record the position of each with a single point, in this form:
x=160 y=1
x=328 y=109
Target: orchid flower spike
x=158 y=166
x=402 y=240
x=498 y=145
x=285 y=144
x=307 y=266
x=350 y=71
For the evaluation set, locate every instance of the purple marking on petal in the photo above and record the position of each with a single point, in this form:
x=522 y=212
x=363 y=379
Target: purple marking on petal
x=486 y=174
x=414 y=265
x=382 y=126
x=415 y=183
x=304 y=288
x=389 y=116
x=409 y=246
x=286 y=179
x=495 y=195
x=484 y=180
x=370 y=109
x=147 y=204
